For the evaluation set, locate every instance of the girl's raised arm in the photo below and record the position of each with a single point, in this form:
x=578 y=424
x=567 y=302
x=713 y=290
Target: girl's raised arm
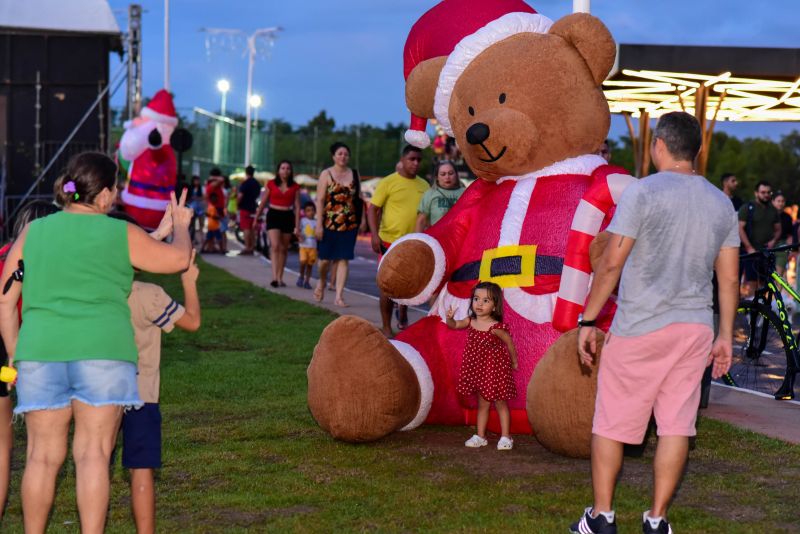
x=452 y=323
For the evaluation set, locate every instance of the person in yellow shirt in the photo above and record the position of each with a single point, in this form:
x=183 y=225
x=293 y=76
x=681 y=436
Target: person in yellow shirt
x=392 y=213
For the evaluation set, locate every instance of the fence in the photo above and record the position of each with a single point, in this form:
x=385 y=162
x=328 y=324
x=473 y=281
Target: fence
x=219 y=142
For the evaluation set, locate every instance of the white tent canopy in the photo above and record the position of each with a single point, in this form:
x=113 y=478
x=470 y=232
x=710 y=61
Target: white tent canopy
x=83 y=16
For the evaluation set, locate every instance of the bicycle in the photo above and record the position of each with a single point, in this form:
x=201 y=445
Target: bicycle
x=765 y=353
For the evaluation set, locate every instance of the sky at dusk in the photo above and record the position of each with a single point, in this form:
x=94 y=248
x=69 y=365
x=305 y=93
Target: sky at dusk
x=346 y=57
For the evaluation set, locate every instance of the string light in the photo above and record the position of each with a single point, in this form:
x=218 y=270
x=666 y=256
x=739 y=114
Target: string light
x=738 y=99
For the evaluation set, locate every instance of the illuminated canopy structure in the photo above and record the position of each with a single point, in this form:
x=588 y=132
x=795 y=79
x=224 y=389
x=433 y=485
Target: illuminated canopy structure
x=712 y=83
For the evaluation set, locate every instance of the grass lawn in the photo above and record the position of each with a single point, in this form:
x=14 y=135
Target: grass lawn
x=242 y=453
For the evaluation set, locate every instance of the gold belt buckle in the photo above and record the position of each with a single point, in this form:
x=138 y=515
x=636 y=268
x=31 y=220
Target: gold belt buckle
x=509 y=266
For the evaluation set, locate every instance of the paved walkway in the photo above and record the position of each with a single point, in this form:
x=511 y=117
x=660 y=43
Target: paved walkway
x=751 y=411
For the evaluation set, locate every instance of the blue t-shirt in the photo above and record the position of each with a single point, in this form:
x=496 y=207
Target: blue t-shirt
x=250 y=190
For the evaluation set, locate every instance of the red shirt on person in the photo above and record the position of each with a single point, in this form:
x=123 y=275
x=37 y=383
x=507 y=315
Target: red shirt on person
x=282 y=199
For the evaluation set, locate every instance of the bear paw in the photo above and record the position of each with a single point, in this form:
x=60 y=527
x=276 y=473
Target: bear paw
x=360 y=388
x=406 y=270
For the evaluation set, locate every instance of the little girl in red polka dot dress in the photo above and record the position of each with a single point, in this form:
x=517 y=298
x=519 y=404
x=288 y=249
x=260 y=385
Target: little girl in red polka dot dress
x=488 y=362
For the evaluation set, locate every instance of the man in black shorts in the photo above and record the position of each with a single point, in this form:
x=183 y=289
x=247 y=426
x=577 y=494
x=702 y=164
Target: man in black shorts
x=759 y=228
x=247 y=200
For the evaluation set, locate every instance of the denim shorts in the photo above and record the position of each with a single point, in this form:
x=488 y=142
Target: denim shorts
x=53 y=385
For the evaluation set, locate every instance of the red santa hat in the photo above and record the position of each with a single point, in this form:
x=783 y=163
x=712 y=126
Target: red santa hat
x=461 y=29
x=161 y=109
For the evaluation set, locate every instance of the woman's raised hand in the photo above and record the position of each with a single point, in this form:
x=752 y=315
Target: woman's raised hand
x=181 y=215
x=165 y=226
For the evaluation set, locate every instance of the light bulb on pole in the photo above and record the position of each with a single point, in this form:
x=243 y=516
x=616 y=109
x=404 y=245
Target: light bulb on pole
x=223 y=86
x=255 y=103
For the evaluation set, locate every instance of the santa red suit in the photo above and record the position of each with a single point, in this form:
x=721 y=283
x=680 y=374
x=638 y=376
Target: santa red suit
x=530 y=235
x=153 y=168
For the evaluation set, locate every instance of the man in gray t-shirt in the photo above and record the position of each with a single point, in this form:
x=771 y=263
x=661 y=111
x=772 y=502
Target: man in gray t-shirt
x=680 y=222
x=670 y=232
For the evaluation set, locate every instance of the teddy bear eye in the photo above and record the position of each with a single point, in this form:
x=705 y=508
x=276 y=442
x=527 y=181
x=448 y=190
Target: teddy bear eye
x=502 y=98
x=471 y=111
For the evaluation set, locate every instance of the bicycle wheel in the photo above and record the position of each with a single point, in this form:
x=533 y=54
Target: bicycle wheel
x=760 y=352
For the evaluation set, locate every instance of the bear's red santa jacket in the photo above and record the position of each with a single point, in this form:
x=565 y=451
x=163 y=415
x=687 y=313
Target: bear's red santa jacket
x=530 y=235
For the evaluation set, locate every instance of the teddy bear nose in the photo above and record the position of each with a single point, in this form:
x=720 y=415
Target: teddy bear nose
x=477 y=133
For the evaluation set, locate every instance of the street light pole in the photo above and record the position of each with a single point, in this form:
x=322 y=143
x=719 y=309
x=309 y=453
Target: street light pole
x=223 y=86
x=166 y=45
x=581 y=6
x=265 y=33
x=251 y=45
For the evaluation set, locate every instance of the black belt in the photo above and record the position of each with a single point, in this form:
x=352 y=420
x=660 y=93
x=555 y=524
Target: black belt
x=508 y=265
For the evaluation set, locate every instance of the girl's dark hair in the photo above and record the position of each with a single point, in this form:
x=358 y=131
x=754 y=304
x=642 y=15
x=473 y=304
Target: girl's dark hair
x=337 y=145
x=88 y=174
x=35 y=209
x=495 y=293
x=290 y=179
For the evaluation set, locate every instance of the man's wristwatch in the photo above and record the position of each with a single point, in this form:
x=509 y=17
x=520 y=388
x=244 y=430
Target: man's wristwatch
x=585 y=322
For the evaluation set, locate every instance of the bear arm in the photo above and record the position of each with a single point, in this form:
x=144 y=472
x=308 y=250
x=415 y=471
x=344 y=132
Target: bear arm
x=412 y=269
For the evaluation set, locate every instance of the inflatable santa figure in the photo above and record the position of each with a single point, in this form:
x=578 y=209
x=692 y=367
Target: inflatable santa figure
x=152 y=166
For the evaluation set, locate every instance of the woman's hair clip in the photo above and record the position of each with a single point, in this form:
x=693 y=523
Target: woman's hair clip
x=69 y=187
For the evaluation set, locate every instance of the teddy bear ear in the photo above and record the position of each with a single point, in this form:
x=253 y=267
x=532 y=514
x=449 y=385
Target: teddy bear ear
x=591 y=39
x=421 y=86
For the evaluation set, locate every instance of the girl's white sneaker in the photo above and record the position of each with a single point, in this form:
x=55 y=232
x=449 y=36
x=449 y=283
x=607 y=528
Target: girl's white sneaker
x=476 y=441
x=505 y=444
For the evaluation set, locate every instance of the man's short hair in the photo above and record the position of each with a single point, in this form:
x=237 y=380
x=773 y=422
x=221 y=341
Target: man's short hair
x=250 y=170
x=215 y=172
x=726 y=176
x=411 y=148
x=681 y=134
x=764 y=183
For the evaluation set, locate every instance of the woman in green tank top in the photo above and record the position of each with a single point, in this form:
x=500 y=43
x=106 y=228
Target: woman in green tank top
x=75 y=353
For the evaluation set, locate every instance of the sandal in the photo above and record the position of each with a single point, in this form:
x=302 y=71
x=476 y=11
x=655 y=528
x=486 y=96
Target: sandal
x=505 y=444
x=319 y=293
x=341 y=303
x=476 y=441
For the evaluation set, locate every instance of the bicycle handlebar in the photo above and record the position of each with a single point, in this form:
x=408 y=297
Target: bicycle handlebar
x=765 y=253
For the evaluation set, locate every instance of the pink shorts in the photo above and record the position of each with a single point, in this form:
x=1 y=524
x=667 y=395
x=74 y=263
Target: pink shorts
x=659 y=373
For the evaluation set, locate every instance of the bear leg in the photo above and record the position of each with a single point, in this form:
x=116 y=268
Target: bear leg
x=360 y=387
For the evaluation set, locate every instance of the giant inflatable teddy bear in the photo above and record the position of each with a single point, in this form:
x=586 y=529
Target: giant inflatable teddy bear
x=151 y=164
x=522 y=97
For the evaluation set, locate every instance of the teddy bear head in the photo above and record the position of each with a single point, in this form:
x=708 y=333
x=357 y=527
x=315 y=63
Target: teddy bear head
x=524 y=102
